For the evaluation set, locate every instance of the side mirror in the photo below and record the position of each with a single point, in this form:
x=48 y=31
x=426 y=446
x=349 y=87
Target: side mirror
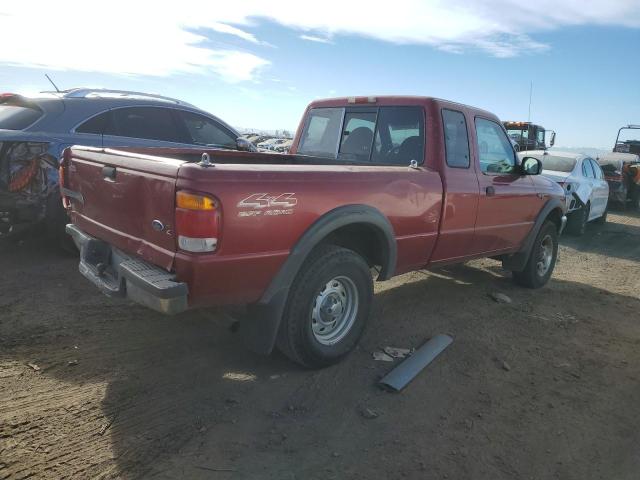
x=552 y=140
x=245 y=145
x=531 y=166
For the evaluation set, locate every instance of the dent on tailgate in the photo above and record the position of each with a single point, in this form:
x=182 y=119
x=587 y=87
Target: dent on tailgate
x=128 y=201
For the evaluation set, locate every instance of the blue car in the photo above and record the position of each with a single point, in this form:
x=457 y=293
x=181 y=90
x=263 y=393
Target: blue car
x=35 y=131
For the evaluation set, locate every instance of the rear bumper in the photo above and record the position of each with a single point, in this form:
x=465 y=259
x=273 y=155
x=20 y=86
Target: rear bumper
x=117 y=274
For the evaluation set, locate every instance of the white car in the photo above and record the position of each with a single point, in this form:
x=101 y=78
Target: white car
x=587 y=191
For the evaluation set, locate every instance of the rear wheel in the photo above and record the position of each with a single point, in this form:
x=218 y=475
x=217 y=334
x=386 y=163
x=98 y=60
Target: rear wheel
x=327 y=308
x=542 y=259
x=577 y=221
x=56 y=220
x=635 y=198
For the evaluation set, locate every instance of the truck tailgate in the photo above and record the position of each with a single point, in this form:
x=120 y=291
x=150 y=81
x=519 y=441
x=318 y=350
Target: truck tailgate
x=125 y=199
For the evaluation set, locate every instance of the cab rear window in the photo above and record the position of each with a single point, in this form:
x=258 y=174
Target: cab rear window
x=14 y=117
x=362 y=135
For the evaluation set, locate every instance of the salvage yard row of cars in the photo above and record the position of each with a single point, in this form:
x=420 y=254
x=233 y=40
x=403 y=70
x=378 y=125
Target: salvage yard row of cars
x=171 y=208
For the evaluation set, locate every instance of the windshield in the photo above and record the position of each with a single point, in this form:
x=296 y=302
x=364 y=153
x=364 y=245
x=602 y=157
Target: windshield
x=516 y=133
x=13 y=117
x=558 y=164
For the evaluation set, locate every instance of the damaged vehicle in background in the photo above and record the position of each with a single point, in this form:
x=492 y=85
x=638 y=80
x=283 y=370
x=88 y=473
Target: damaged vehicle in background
x=35 y=131
x=586 y=190
x=621 y=167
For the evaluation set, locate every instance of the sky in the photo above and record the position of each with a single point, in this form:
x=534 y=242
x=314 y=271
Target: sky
x=258 y=64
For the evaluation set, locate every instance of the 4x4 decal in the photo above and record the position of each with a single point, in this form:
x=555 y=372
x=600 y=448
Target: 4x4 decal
x=267 y=204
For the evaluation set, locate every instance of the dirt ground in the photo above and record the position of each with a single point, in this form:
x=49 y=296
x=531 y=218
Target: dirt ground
x=545 y=387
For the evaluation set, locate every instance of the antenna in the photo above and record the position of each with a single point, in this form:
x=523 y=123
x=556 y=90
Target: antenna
x=54 y=85
x=530 y=95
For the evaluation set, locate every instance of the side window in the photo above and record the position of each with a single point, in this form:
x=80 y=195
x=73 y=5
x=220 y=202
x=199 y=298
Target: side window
x=456 y=139
x=399 y=136
x=494 y=149
x=152 y=123
x=322 y=132
x=587 y=169
x=205 y=131
x=95 y=125
x=357 y=136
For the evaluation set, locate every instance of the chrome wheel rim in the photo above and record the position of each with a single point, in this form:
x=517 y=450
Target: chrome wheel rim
x=334 y=311
x=546 y=255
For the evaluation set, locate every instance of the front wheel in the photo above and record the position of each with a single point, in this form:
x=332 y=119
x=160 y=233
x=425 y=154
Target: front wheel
x=327 y=308
x=542 y=259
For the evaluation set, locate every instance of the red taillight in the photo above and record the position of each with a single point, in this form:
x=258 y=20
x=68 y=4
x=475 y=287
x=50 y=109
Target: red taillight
x=197 y=222
x=22 y=178
x=66 y=157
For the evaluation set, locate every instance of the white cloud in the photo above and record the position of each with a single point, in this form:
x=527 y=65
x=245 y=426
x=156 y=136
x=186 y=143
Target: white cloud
x=224 y=28
x=313 y=38
x=152 y=38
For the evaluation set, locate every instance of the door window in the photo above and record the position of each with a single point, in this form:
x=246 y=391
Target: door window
x=587 y=170
x=455 y=139
x=596 y=169
x=205 y=131
x=494 y=149
x=95 y=125
x=152 y=123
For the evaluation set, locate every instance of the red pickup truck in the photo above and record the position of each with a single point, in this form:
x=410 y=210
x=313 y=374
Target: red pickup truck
x=386 y=183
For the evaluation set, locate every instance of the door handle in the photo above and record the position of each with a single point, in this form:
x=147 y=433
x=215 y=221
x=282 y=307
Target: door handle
x=490 y=191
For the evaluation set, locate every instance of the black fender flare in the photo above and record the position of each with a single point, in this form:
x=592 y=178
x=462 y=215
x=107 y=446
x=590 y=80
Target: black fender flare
x=260 y=326
x=517 y=261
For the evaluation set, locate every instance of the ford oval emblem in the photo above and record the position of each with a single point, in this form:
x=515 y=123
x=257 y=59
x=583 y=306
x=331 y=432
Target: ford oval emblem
x=157 y=225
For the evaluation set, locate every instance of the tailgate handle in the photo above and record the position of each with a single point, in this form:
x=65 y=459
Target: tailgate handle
x=109 y=172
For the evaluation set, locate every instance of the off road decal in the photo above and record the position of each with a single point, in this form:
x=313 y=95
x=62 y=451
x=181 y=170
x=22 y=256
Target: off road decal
x=259 y=204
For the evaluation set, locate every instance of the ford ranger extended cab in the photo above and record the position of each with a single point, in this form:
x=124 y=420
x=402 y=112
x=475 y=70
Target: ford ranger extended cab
x=386 y=183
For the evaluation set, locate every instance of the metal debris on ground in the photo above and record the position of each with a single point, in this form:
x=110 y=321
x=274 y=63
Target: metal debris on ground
x=369 y=414
x=397 y=352
x=500 y=297
x=34 y=366
x=107 y=425
x=400 y=376
x=72 y=363
x=382 y=356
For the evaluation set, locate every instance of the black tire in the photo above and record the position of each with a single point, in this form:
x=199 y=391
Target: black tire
x=299 y=333
x=635 y=198
x=577 y=221
x=56 y=220
x=531 y=276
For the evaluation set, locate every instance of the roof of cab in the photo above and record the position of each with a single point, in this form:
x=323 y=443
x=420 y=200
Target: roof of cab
x=390 y=100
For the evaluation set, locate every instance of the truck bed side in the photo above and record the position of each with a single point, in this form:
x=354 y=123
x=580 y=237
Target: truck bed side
x=267 y=209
